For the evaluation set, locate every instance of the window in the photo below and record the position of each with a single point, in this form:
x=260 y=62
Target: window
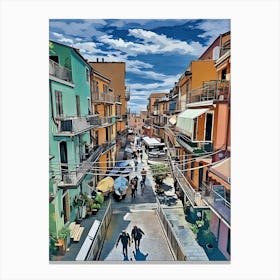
x=78 y=107
x=105 y=88
x=224 y=73
x=95 y=87
x=54 y=58
x=87 y=75
x=58 y=103
x=208 y=129
x=194 y=128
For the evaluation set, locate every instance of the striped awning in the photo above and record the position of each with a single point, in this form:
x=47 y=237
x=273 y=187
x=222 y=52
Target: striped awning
x=185 y=120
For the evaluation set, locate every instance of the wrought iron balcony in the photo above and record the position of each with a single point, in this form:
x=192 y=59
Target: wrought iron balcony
x=193 y=196
x=60 y=72
x=101 y=97
x=216 y=202
x=72 y=179
x=118 y=99
x=71 y=126
x=212 y=90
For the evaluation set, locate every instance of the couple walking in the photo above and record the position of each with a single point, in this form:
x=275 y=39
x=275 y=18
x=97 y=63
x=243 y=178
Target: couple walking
x=136 y=235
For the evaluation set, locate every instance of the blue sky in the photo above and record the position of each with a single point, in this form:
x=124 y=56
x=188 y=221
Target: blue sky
x=156 y=52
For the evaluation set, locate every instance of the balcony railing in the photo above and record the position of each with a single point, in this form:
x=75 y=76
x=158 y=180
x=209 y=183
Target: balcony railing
x=212 y=90
x=117 y=99
x=103 y=97
x=74 y=178
x=106 y=121
x=127 y=94
x=193 y=196
x=70 y=126
x=216 y=202
x=60 y=72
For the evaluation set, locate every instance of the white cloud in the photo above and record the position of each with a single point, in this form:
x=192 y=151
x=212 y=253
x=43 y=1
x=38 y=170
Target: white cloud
x=151 y=43
x=213 y=28
x=84 y=29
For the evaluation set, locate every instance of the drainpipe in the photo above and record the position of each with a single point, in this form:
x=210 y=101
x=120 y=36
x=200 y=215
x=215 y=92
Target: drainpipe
x=50 y=86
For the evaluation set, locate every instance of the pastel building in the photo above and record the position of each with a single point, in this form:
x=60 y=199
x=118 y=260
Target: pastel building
x=70 y=122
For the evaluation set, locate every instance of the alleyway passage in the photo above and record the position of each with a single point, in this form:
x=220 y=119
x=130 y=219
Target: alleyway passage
x=141 y=212
x=153 y=246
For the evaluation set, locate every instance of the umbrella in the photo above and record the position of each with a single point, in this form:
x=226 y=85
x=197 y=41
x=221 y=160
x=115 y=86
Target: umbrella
x=105 y=185
x=121 y=184
x=122 y=164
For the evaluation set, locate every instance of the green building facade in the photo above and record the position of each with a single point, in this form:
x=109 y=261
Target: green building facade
x=70 y=122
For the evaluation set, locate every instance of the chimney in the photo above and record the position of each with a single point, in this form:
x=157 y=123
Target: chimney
x=97 y=59
x=102 y=59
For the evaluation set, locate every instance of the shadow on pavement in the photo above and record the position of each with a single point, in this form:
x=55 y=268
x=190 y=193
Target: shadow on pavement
x=139 y=256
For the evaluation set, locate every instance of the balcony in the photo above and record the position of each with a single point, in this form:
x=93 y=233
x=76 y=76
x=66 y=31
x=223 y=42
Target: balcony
x=60 y=72
x=156 y=112
x=106 y=121
x=216 y=202
x=73 y=178
x=212 y=90
x=118 y=100
x=127 y=94
x=194 y=197
x=71 y=126
x=52 y=189
x=108 y=145
x=101 y=97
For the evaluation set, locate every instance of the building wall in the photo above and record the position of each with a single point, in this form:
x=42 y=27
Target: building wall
x=221 y=122
x=202 y=70
x=67 y=57
x=115 y=71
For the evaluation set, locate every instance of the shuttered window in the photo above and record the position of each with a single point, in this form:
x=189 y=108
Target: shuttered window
x=58 y=103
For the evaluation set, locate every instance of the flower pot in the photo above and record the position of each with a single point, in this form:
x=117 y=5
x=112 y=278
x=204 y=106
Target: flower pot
x=210 y=247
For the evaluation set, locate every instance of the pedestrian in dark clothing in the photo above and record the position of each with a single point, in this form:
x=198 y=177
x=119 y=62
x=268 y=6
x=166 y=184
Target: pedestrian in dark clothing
x=136 y=235
x=125 y=239
x=136 y=163
x=132 y=186
x=141 y=156
x=144 y=174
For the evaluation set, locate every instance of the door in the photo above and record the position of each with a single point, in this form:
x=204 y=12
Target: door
x=63 y=157
x=208 y=129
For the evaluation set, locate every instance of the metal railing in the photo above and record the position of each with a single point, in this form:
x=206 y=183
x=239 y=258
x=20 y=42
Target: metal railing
x=212 y=90
x=70 y=125
x=193 y=196
x=97 y=244
x=60 y=72
x=103 y=97
x=216 y=202
x=74 y=177
x=171 y=236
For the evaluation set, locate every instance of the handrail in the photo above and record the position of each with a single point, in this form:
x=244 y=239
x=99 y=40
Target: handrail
x=178 y=250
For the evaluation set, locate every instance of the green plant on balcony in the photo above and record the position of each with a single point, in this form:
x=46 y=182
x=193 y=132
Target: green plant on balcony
x=159 y=172
x=64 y=233
x=99 y=198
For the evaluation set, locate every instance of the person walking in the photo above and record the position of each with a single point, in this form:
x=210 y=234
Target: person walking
x=132 y=187
x=144 y=174
x=125 y=240
x=136 y=235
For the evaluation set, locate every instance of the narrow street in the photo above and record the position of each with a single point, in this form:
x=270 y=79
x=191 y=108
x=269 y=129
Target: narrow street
x=141 y=212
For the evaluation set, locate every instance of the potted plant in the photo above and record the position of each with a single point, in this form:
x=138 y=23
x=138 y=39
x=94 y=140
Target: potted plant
x=64 y=238
x=95 y=208
x=89 y=206
x=208 y=239
x=80 y=203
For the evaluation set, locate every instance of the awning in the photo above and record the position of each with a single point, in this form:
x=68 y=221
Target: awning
x=221 y=173
x=185 y=120
x=173 y=120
